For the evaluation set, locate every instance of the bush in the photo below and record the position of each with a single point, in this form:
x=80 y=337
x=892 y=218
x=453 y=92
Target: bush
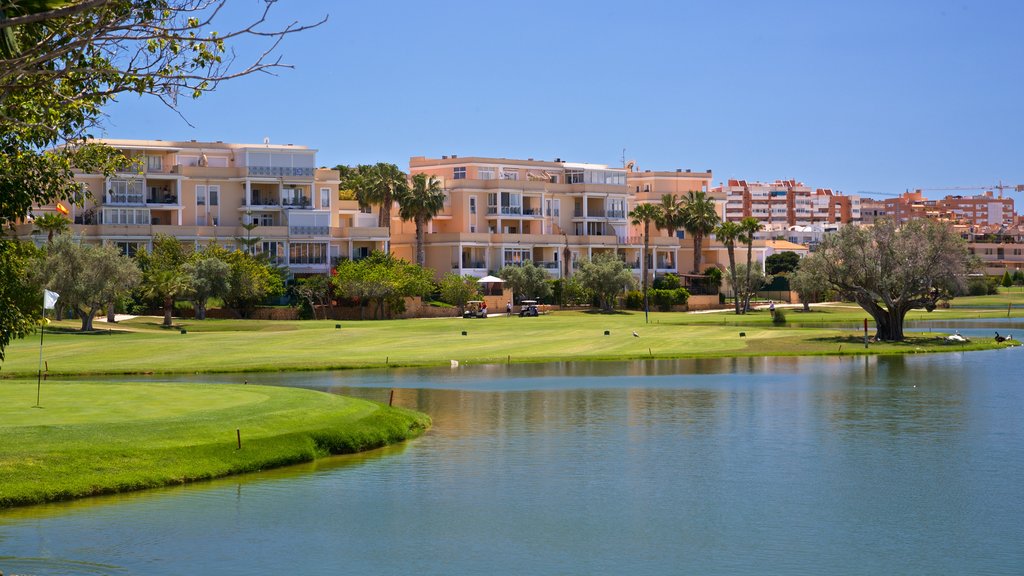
x=666 y=282
x=635 y=300
x=779 y=318
x=665 y=299
x=983 y=286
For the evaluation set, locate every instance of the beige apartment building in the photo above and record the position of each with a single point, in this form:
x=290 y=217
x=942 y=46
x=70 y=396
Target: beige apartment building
x=203 y=193
x=785 y=203
x=502 y=211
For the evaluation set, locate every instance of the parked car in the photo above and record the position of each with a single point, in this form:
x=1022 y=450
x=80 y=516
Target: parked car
x=528 y=308
x=475 y=309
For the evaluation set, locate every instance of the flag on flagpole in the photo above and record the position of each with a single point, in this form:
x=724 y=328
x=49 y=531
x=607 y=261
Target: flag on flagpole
x=62 y=209
x=50 y=300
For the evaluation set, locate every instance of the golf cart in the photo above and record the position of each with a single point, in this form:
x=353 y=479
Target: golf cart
x=475 y=309
x=528 y=308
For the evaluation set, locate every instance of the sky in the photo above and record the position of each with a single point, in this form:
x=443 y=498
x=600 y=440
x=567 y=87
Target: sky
x=867 y=97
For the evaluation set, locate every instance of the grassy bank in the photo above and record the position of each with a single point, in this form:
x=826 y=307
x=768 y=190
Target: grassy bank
x=140 y=346
x=94 y=438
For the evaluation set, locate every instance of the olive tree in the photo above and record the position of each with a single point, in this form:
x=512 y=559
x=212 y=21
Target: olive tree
x=457 y=290
x=527 y=281
x=87 y=276
x=890 y=269
x=606 y=276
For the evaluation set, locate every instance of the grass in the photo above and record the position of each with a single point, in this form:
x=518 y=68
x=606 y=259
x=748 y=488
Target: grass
x=95 y=438
x=141 y=346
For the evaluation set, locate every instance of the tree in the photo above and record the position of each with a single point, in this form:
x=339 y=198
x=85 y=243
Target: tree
x=727 y=233
x=315 y=290
x=713 y=279
x=645 y=214
x=50 y=224
x=606 y=276
x=809 y=282
x=420 y=203
x=890 y=269
x=62 y=61
x=699 y=218
x=781 y=262
x=748 y=282
x=378 y=185
x=670 y=215
x=21 y=297
x=1018 y=277
x=87 y=276
x=165 y=278
x=1007 y=280
x=251 y=281
x=749 y=226
x=528 y=281
x=249 y=242
x=382 y=279
x=208 y=277
x=457 y=290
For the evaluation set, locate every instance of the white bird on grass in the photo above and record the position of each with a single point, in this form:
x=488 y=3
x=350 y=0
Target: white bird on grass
x=635 y=334
x=956 y=337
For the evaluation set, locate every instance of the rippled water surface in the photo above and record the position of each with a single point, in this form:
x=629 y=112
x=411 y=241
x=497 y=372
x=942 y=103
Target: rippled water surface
x=903 y=465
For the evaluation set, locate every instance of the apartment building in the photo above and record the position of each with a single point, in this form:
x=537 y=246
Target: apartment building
x=786 y=203
x=501 y=211
x=204 y=192
x=981 y=210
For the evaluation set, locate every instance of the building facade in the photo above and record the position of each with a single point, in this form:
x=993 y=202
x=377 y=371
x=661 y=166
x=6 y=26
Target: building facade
x=784 y=203
x=205 y=192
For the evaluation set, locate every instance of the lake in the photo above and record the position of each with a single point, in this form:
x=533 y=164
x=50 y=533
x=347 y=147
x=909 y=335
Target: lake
x=908 y=465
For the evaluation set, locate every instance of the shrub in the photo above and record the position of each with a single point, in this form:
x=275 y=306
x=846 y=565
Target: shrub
x=666 y=282
x=779 y=318
x=665 y=299
x=635 y=300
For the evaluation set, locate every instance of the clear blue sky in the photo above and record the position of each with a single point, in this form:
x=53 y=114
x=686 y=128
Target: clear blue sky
x=858 y=96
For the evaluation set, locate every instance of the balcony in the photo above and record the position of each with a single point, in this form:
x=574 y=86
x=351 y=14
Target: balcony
x=309 y=230
x=280 y=171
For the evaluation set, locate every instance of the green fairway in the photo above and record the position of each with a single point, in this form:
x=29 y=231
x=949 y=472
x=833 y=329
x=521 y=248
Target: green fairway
x=93 y=438
x=140 y=346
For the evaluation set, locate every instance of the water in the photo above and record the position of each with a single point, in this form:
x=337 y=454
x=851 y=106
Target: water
x=908 y=465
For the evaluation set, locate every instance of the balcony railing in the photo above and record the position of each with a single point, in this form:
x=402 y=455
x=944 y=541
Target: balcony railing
x=309 y=230
x=475 y=264
x=505 y=210
x=129 y=198
x=276 y=171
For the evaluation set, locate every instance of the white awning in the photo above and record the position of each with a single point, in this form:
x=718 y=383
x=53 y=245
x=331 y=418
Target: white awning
x=489 y=280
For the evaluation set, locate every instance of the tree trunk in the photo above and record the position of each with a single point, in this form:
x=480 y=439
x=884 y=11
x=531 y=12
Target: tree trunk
x=732 y=274
x=200 y=308
x=168 y=308
x=888 y=322
x=807 y=306
x=698 y=240
x=746 y=298
x=643 y=268
x=86 y=319
x=111 y=313
x=421 y=256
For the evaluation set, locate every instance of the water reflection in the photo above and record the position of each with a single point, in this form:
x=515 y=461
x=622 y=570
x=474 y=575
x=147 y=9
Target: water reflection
x=866 y=465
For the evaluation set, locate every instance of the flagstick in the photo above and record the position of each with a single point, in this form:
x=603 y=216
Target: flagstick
x=39 y=380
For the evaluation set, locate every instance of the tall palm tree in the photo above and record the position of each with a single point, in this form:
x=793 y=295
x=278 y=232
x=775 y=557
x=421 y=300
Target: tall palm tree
x=727 y=233
x=51 y=223
x=645 y=214
x=749 y=227
x=671 y=216
x=166 y=285
x=420 y=203
x=699 y=218
x=379 y=184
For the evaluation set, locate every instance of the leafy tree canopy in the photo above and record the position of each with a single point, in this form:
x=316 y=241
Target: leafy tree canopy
x=606 y=276
x=528 y=282
x=781 y=262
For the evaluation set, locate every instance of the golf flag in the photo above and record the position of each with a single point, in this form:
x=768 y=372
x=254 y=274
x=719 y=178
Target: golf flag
x=62 y=209
x=50 y=300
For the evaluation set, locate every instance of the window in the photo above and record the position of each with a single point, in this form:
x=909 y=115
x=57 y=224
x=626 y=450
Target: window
x=574 y=176
x=154 y=164
x=272 y=250
x=325 y=197
x=459 y=173
x=472 y=204
x=307 y=253
x=214 y=195
x=509 y=174
x=128 y=248
x=266 y=220
x=485 y=173
x=516 y=256
x=200 y=195
x=366 y=209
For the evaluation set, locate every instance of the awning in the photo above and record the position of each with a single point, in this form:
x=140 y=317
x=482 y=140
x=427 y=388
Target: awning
x=489 y=280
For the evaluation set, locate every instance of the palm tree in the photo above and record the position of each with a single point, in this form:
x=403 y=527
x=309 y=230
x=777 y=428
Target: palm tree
x=379 y=184
x=420 y=203
x=699 y=218
x=749 y=227
x=645 y=214
x=167 y=285
x=727 y=233
x=51 y=223
x=671 y=216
